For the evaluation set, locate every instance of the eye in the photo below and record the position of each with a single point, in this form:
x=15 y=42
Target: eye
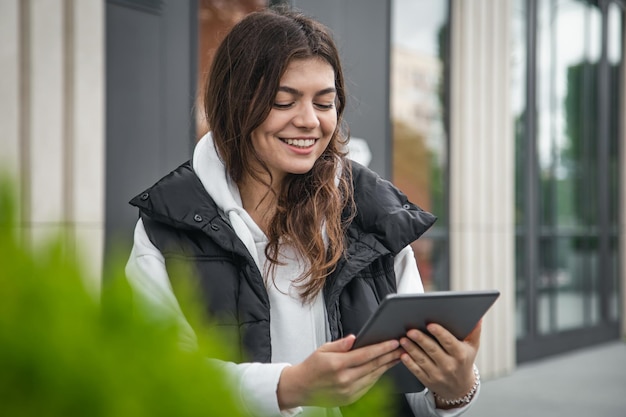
x=325 y=106
x=282 y=106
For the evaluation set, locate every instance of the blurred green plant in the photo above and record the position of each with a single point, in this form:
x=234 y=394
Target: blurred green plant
x=63 y=352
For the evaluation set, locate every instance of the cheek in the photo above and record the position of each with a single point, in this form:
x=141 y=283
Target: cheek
x=329 y=124
x=275 y=122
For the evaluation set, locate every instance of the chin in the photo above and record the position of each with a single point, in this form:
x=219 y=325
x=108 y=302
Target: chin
x=301 y=171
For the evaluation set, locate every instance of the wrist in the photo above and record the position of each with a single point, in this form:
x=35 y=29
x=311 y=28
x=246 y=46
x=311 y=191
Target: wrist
x=447 y=403
x=288 y=391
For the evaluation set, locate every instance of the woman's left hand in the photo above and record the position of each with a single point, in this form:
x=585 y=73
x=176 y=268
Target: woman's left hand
x=444 y=365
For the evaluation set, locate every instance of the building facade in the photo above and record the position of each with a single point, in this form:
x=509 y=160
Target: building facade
x=503 y=117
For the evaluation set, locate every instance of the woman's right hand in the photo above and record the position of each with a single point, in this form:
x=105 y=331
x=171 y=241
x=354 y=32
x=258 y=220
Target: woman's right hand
x=334 y=375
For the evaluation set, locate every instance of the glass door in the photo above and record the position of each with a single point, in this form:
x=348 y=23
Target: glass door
x=567 y=154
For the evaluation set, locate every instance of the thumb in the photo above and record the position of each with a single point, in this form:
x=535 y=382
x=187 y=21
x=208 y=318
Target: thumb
x=339 y=345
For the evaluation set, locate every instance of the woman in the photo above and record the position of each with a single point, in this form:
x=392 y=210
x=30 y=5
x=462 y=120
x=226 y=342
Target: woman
x=277 y=222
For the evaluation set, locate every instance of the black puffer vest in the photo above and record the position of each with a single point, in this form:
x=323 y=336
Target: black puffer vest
x=184 y=223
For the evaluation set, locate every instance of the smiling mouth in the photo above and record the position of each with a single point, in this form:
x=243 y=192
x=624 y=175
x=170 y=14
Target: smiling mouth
x=300 y=143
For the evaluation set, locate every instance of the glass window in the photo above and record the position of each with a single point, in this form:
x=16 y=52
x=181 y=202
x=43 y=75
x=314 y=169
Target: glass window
x=568 y=54
x=572 y=273
x=420 y=146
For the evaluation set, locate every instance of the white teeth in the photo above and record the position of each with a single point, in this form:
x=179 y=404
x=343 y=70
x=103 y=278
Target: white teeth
x=301 y=143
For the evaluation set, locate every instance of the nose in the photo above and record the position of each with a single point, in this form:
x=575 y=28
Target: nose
x=306 y=117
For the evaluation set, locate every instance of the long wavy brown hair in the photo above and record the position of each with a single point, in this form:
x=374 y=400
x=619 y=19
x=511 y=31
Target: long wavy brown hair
x=240 y=93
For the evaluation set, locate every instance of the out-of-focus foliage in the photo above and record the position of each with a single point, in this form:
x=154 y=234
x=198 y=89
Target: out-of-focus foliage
x=378 y=401
x=63 y=352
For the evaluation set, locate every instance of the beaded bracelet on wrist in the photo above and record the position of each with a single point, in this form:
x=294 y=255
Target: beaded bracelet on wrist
x=467 y=398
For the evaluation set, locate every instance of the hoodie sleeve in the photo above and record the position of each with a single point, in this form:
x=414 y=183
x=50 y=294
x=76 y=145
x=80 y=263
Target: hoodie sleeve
x=408 y=279
x=255 y=385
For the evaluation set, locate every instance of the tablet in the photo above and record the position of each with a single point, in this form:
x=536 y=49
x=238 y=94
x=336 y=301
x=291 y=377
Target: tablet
x=457 y=311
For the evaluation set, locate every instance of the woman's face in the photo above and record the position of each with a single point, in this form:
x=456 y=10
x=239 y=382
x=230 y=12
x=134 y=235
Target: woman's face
x=302 y=120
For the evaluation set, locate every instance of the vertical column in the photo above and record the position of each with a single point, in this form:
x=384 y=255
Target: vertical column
x=46 y=153
x=87 y=125
x=9 y=87
x=482 y=170
x=11 y=97
x=52 y=120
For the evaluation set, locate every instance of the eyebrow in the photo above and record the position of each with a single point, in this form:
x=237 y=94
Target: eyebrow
x=299 y=93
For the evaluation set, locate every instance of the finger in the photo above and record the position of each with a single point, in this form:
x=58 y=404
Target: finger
x=446 y=340
x=367 y=354
x=416 y=352
x=384 y=361
x=428 y=344
x=379 y=364
x=417 y=368
x=369 y=373
x=386 y=364
x=340 y=345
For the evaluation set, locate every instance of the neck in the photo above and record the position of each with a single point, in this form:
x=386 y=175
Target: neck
x=259 y=201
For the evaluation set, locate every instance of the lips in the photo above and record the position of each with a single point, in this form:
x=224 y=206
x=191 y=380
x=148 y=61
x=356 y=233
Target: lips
x=300 y=143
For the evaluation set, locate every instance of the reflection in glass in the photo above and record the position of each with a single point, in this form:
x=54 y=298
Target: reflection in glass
x=568 y=53
x=418 y=56
x=568 y=299
x=572 y=108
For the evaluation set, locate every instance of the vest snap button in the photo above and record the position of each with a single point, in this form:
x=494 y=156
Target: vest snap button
x=215 y=227
x=197 y=218
x=144 y=196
